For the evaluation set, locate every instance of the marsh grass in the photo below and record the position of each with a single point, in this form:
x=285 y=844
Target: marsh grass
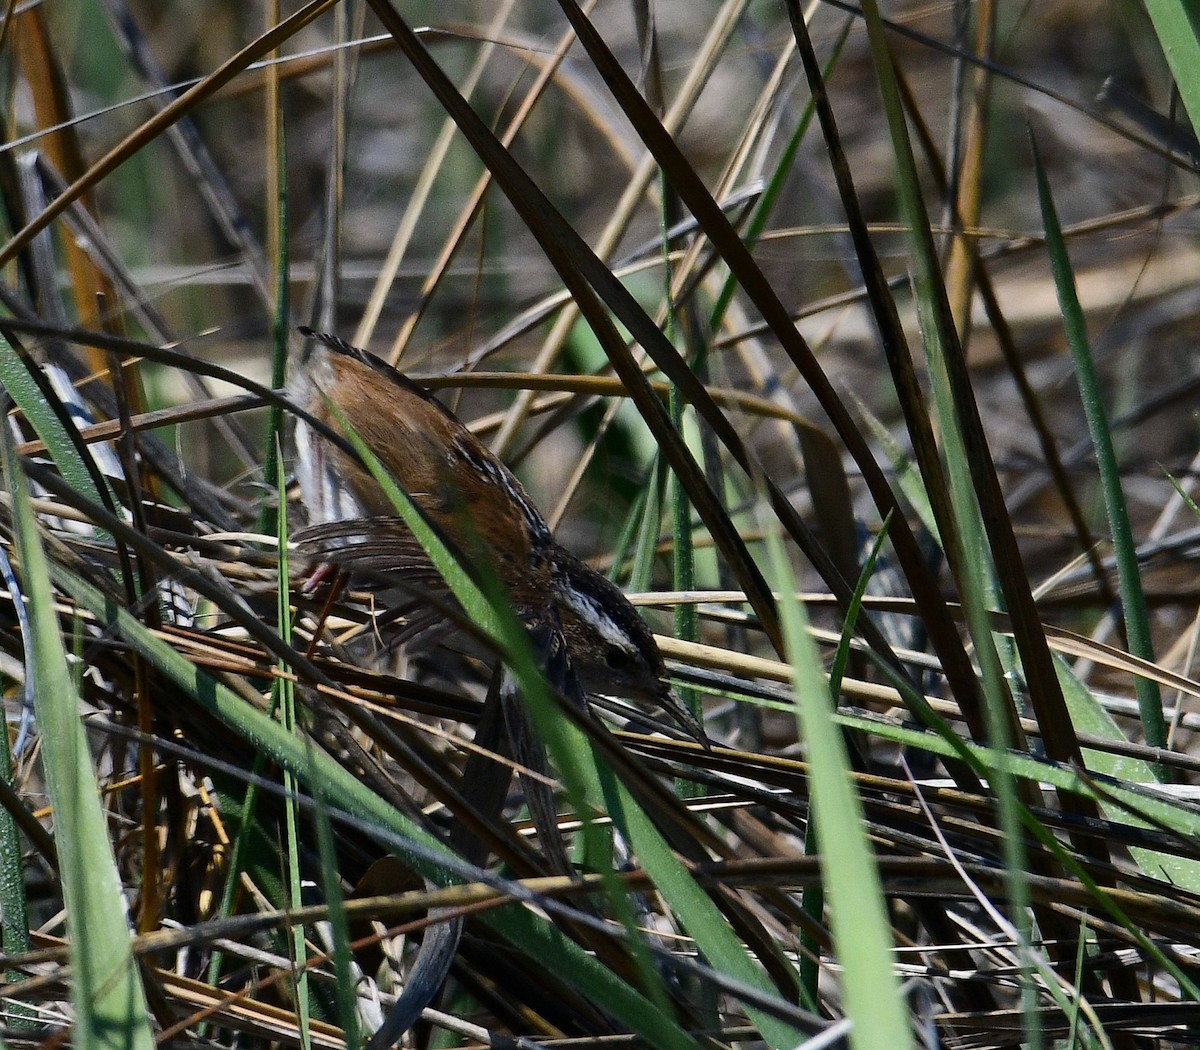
x=730 y=286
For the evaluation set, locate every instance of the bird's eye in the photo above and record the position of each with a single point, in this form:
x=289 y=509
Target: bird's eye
x=616 y=658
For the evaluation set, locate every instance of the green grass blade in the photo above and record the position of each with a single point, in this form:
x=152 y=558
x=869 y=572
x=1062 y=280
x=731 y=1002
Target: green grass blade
x=14 y=916
x=813 y=898
x=1091 y=718
x=1177 y=23
x=53 y=426
x=861 y=932
x=977 y=493
x=107 y=994
x=344 y=985
x=982 y=548
x=1133 y=598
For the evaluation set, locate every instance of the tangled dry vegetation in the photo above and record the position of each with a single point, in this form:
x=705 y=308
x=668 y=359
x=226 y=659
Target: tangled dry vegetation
x=757 y=301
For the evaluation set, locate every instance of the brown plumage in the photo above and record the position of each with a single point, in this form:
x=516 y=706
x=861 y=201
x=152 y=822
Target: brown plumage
x=475 y=502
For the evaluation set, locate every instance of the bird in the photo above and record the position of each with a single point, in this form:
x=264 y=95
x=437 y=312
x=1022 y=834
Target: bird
x=475 y=503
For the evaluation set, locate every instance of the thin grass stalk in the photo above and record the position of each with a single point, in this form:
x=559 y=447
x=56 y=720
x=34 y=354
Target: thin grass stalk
x=143 y=590
x=982 y=283
x=976 y=584
x=967 y=181
x=813 y=898
x=571 y=487
x=943 y=637
x=240 y=848
x=291 y=876
x=765 y=207
x=278 y=251
x=284 y=704
x=641 y=530
x=683 y=564
x=42 y=72
x=962 y=430
x=546 y=74
x=327 y=291
x=344 y=970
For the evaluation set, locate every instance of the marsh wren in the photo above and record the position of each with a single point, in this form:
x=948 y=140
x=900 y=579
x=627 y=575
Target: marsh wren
x=475 y=502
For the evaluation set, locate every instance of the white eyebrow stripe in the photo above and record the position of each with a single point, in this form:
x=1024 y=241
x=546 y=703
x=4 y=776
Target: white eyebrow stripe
x=591 y=612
